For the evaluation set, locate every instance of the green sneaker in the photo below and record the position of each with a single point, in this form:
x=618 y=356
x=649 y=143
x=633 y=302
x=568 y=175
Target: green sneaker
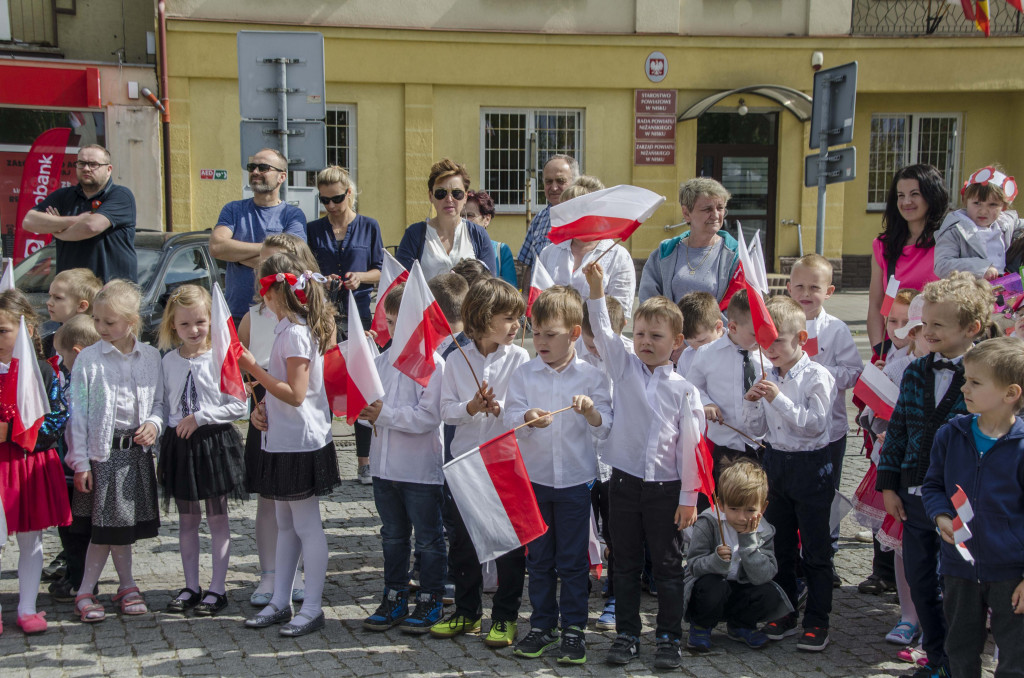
x=574 y=647
x=536 y=642
x=502 y=634
x=454 y=625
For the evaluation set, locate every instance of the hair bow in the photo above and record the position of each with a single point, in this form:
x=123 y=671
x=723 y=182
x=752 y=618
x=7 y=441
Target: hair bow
x=990 y=175
x=299 y=286
x=267 y=281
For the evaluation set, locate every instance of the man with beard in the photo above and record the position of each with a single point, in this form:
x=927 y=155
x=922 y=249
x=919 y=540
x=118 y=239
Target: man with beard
x=244 y=224
x=93 y=223
x=559 y=172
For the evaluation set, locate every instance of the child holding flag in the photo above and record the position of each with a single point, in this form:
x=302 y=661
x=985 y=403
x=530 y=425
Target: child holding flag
x=977 y=467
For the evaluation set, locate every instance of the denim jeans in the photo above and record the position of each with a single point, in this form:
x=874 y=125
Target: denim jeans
x=404 y=507
x=560 y=554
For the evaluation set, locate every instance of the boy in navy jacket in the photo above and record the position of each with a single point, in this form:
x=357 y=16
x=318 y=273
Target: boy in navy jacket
x=983 y=453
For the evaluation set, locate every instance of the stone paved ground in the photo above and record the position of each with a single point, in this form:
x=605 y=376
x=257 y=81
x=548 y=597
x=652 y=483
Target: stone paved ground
x=161 y=645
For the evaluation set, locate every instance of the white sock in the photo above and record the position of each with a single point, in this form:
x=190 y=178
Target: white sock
x=30 y=570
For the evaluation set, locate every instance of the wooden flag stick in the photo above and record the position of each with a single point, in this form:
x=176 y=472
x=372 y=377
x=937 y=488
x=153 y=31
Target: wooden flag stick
x=617 y=241
x=761 y=356
x=549 y=414
x=471 y=370
x=733 y=428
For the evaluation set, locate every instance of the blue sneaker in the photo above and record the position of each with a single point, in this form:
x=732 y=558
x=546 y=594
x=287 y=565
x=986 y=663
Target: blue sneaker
x=752 y=637
x=699 y=638
x=393 y=608
x=429 y=610
x=606 y=622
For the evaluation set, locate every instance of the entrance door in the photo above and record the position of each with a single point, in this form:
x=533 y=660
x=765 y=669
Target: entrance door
x=741 y=152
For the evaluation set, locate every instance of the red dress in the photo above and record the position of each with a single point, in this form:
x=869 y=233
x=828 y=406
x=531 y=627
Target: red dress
x=32 y=485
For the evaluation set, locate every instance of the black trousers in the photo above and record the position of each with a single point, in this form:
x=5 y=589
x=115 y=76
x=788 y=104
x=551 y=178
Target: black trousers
x=464 y=571
x=75 y=544
x=645 y=511
x=966 y=603
x=920 y=556
x=601 y=503
x=715 y=599
x=883 y=563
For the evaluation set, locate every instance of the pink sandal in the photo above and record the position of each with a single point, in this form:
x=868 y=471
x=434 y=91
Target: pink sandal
x=32 y=623
x=131 y=598
x=89 y=609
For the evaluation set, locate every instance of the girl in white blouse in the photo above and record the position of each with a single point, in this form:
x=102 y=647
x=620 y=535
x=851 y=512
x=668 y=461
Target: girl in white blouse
x=201 y=453
x=297 y=462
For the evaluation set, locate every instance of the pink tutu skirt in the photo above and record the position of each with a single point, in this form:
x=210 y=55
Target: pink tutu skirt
x=33 y=489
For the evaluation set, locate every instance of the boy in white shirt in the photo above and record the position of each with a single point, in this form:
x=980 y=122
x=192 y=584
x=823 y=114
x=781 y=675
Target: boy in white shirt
x=795 y=419
x=561 y=460
x=405 y=462
x=702 y=324
x=490 y=316
x=654 y=476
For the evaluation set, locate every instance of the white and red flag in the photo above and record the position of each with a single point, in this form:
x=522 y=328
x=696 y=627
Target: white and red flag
x=392 y=274
x=594 y=554
x=494 y=495
x=419 y=330
x=28 y=398
x=759 y=277
x=694 y=442
x=539 y=281
x=350 y=374
x=764 y=326
x=964 y=515
x=877 y=391
x=892 y=288
x=610 y=213
x=226 y=347
x=811 y=347
x=7 y=280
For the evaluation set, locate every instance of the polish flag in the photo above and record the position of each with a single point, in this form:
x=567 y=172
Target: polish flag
x=540 y=281
x=493 y=493
x=811 y=347
x=1016 y=4
x=877 y=391
x=594 y=555
x=54 y=362
x=891 y=290
x=610 y=213
x=392 y=274
x=7 y=280
x=27 y=400
x=226 y=347
x=764 y=326
x=759 y=277
x=419 y=330
x=691 y=438
x=964 y=515
x=350 y=374
x=737 y=282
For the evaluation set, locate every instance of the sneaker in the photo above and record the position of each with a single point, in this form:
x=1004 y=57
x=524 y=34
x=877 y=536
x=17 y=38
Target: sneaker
x=699 y=638
x=573 y=649
x=363 y=475
x=875 y=585
x=57 y=569
x=667 y=655
x=449 y=594
x=536 y=642
x=913 y=655
x=502 y=634
x=801 y=594
x=926 y=671
x=606 y=622
x=783 y=627
x=752 y=637
x=813 y=639
x=455 y=625
x=393 y=608
x=428 y=612
x=903 y=633
x=624 y=649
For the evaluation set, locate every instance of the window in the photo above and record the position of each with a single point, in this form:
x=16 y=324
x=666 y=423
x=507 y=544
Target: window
x=899 y=139
x=516 y=141
x=188 y=266
x=341 y=140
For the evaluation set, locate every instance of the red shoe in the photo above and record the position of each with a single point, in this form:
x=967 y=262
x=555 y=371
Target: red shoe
x=32 y=624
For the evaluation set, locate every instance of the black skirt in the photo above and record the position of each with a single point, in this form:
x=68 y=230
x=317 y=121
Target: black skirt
x=291 y=476
x=206 y=465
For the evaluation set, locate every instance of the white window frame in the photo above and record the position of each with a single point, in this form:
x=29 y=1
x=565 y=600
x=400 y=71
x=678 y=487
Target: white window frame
x=300 y=178
x=951 y=173
x=531 y=127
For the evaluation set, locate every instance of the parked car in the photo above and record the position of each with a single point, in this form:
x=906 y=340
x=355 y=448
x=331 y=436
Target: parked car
x=166 y=261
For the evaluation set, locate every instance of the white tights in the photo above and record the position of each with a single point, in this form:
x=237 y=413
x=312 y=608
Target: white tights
x=300 y=531
x=30 y=570
x=96 y=560
x=266 y=546
x=189 y=516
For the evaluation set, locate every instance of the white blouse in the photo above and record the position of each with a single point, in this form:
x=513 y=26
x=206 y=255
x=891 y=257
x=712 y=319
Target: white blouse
x=436 y=260
x=307 y=427
x=210 y=404
x=261 y=333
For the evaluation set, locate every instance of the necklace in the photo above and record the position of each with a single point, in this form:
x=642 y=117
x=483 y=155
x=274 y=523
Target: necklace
x=694 y=269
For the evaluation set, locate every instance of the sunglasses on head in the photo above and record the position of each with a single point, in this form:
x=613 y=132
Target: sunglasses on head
x=442 y=193
x=336 y=199
x=261 y=166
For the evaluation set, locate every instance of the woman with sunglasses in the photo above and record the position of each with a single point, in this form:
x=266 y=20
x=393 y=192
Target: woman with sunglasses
x=447 y=238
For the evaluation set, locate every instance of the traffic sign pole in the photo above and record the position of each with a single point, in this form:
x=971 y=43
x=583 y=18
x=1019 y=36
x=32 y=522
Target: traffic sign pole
x=819 y=229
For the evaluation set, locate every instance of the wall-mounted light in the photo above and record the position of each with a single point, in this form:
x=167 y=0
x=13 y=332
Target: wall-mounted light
x=817 y=59
x=742 y=108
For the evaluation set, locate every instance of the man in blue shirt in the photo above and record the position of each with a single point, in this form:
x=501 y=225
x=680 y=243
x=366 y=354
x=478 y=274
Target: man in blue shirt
x=243 y=225
x=559 y=172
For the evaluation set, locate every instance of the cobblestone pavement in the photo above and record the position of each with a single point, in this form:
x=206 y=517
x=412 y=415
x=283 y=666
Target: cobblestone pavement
x=157 y=644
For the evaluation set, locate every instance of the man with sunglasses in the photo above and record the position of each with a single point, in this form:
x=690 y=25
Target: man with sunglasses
x=93 y=223
x=243 y=225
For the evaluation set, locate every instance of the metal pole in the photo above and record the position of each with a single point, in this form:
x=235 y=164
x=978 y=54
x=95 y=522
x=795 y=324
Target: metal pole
x=826 y=96
x=282 y=114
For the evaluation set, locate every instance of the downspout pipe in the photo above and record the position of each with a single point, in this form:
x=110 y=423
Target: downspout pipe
x=165 y=116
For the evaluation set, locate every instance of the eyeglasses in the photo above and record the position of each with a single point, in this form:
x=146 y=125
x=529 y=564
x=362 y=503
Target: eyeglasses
x=442 y=193
x=262 y=167
x=336 y=199
x=82 y=164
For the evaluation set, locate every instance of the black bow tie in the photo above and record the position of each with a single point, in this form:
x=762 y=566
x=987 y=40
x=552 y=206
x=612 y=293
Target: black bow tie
x=945 y=365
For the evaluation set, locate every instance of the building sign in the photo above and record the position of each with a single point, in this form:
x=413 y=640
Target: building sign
x=656 y=67
x=654 y=127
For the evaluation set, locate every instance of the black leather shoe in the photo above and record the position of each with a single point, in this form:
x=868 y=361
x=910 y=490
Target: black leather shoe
x=204 y=609
x=180 y=605
x=263 y=620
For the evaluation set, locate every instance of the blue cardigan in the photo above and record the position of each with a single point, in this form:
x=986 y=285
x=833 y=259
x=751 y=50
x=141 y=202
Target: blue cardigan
x=994 y=484
x=411 y=247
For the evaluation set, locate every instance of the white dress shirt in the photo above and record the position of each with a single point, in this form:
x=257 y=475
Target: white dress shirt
x=604 y=471
x=562 y=454
x=619 y=276
x=645 y=438
x=407 y=446
x=717 y=373
x=215 y=407
x=685 y=361
x=307 y=427
x=943 y=378
x=799 y=418
x=839 y=355
x=458 y=387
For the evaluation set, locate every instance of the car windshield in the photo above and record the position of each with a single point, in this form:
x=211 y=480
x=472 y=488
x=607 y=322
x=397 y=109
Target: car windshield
x=34 y=275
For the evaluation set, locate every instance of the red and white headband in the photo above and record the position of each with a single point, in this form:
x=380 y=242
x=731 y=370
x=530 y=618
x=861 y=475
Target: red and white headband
x=297 y=284
x=991 y=176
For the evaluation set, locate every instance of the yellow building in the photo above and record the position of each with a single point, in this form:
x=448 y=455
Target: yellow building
x=497 y=86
